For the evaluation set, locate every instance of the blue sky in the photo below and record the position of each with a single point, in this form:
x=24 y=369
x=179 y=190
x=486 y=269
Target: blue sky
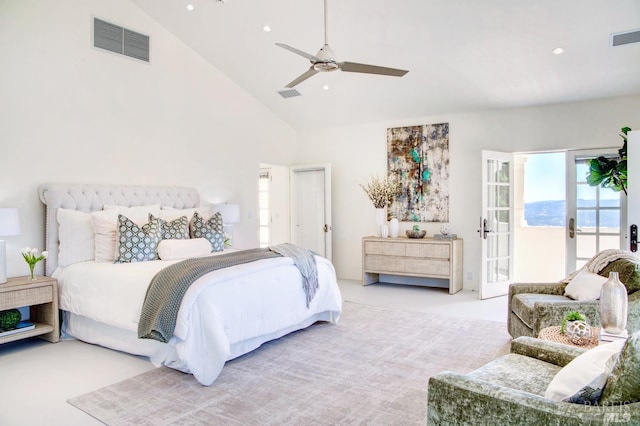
x=545 y=177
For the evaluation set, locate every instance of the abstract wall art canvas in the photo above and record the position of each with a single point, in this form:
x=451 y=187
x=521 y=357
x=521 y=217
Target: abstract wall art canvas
x=418 y=158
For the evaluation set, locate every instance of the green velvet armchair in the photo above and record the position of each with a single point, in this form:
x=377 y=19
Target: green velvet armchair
x=532 y=307
x=510 y=391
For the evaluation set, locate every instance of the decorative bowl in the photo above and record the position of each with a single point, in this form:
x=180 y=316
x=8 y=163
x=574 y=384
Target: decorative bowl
x=416 y=234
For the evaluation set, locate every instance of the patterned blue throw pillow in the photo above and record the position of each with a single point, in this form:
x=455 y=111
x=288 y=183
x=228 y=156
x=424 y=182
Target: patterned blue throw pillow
x=177 y=229
x=137 y=243
x=210 y=229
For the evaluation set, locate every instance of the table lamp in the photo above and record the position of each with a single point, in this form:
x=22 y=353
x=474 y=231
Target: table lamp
x=9 y=226
x=230 y=215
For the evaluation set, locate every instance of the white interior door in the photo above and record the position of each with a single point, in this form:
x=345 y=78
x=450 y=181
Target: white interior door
x=633 y=185
x=311 y=208
x=496 y=224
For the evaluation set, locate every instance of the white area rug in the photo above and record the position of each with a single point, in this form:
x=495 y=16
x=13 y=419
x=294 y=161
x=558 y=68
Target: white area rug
x=371 y=369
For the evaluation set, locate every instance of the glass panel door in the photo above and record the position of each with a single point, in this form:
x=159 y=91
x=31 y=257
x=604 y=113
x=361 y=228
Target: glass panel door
x=496 y=223
x=596 y=215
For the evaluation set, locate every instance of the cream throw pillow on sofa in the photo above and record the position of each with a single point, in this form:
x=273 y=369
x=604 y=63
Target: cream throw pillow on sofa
x=585 y=286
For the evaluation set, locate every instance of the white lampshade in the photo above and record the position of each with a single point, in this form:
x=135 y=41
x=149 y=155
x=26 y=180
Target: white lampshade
x=9 y=222
x=230 y=212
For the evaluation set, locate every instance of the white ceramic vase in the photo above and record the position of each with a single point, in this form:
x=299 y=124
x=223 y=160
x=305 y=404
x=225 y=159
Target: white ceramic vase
x=394 y=227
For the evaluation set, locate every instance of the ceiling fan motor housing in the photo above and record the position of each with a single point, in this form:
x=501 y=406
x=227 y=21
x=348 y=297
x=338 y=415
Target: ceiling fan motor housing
x=327 y=60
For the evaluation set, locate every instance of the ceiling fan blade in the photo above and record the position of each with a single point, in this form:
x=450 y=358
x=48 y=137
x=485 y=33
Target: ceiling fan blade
x=310 y=73
x=371 y=69
x=299 y=52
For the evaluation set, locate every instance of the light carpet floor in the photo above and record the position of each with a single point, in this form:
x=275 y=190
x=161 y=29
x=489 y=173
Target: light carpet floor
x=372 y=368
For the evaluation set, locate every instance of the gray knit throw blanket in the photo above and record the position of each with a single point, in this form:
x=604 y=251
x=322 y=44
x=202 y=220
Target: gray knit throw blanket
x=168 y=287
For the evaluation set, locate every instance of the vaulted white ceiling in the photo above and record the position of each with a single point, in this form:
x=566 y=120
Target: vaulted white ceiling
x=462 y=55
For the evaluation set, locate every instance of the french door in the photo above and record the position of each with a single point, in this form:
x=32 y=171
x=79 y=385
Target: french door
x=596 y=216
x=633 y=197
x=496 y=224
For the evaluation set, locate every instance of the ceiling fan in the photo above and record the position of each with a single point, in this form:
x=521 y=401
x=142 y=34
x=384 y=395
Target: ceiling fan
x=325 y=61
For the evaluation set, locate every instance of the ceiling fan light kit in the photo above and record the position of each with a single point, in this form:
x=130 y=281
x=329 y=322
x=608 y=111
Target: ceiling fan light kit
x=324 y=61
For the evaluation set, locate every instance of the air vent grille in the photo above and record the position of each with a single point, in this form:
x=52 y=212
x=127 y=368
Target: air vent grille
x=625 y=38
x=289 y=93
x=117 y=39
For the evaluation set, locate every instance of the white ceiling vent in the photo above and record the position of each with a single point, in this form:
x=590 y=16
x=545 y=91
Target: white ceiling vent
x=289 y=93
x=115 y=38
x=626 y=37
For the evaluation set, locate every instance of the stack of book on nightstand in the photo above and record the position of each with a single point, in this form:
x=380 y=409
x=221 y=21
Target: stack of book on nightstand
x=445 y=236
x=22 y=326
x=610 y=337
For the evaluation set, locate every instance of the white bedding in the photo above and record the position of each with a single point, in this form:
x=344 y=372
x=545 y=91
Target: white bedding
x=224 y=314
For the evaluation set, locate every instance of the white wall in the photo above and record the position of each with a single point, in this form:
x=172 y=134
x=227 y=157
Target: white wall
x=73 y=113
x=357 y=152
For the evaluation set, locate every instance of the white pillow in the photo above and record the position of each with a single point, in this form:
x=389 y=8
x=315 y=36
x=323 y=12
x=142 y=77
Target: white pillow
x=183 y=249
x=105 y=227
x=138 y=214
x=75 y=236
x=589 y=369
x=169 y=213
x=585 y=286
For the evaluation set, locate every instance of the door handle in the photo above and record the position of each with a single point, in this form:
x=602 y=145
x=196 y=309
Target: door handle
x=326 y=228
x=634 y=238
x=483 y=231
x=572 y=228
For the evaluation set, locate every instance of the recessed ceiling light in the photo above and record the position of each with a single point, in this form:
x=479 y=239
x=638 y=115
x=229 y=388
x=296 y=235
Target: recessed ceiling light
x=558 y=51
x=190 y=7
x=325 y=87
x=266 y=28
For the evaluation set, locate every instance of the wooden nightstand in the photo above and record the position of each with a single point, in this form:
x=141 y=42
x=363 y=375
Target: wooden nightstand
x=42 y=296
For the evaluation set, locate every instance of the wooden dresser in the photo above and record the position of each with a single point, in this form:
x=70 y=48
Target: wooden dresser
x=412 y=257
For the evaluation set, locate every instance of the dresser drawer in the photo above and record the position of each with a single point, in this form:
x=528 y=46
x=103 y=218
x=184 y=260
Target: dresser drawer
x=428 y=267
x=26 y=297
x=383 y=264
x=384 y=248
x=434 y=251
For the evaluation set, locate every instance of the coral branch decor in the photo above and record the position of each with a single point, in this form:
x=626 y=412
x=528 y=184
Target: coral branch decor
x=418 y=159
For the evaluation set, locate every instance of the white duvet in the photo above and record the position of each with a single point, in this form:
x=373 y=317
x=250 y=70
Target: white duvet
x=224 y=314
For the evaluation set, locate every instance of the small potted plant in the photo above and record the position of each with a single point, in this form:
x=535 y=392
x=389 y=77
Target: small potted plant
x=570 y=317
x=415 y=232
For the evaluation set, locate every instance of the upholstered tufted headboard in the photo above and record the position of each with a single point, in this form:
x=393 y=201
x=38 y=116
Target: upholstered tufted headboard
x=89 y=198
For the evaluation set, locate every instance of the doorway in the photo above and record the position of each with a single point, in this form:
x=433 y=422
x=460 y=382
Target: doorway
x=561 y=221
x=294 y=205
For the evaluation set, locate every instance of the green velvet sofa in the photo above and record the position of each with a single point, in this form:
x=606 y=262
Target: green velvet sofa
x=510 y=391
x=532 y=307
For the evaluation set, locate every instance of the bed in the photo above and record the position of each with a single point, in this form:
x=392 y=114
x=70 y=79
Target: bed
x=223 y=314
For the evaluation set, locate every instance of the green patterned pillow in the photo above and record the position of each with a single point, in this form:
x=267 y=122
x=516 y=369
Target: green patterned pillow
x=177 y=229
x=211 y=230
x=628 y=272
x=623 y=385
x=137 y=243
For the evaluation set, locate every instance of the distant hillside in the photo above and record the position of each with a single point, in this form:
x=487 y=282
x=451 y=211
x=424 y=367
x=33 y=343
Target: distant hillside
x=545 y=213
x=553 y=213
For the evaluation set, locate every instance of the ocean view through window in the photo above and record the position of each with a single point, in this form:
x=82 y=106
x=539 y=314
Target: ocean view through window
x=545 y=189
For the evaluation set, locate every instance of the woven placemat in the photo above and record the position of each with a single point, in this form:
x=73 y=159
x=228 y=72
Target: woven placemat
x=553 y=334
